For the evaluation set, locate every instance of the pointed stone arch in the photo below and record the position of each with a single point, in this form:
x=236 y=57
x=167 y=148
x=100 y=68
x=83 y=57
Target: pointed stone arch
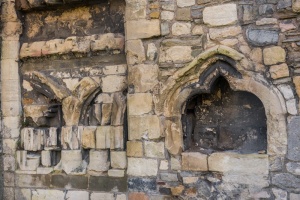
x=198 y=76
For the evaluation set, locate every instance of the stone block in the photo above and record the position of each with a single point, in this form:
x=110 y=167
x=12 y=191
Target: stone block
x=32 y=50
x=183 y=14
x=32 y=139
x=274 y=55
x=137 y=196
x=117 y=138
x=44 y=170
x=116 y=173
x=261 y=37
x=197 y=30
x=71 y=161
x=291 y=107
x=176 y=54
x=77 y=195
x=106 y=113
x=194 y=161
x=185 y=3
x=175 y=164
x=165 y=30
x=108 y=184
x=294 y=139
x=103 y=137
x=41 y=194
x=247 y=164
x=294 y=196
x=146 y=126
x=293 y=168
x=9 y=146
x=12 y=90
x=46 y=158
x=177 y=191
x=167 y=15
x=34 y=180
x=23 y=194
x=9 y=70
x=118 y=109
x=215 y=33
x=154 y=149
x=279 y=71
x=51 y=138
x=296 y=5
x=141 y=29
x=88 y=140
x=139 y=103
x=98 y=161
x=121 y=197
x=114 y=83
x=169 y=177
x=8 y=179
x=189 y=180
x=142 y=167
x=102 y=196
x=136 y=10
x=164 y=165
x=10 y=50
x=151 y=52
x=181 y=28
x=61 y=180
x=134 y=149
x=8 y=193
x=220 y=15
x=287 y=182
x=118 y=159
x=113 y=70
x=55 y=46
x=142 y=184
x=11 y=108
x=148 y=77
x=71 y=137
x=135 y=52
x=108 y=41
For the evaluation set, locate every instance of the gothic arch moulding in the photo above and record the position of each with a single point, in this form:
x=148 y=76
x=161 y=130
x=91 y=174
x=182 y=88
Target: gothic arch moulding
x=198 y=76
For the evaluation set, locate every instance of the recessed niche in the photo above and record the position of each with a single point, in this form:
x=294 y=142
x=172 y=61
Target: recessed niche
x=225 y=120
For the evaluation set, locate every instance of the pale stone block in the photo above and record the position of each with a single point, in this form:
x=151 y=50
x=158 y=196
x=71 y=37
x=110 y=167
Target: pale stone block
x=280 y=194
x=10 y=50
x=116 y=173
x=185 y=3
x=266 y=21
x=114 y=83
x=41 y=194
x=71 y=83
x=103 y=137
x=104 y=98
x=164 y=165
x=32 y=50
x=9 y=163
x=77 y=195
x=146 y=126
x=118 y=159
x=71 y=160
x=55 y=46
x=44 y=170
x=9 y=70
x=256 y=55
x=32 y=139
x=28 y=162
x=142 y=167
x=248 y=164
x=220 y=15
x=116 y=138
x=23 y=194
x=167 y=15
x=106 y=114
x=231 y=31
x=177 y=54
x=294 y=196
x=118 y=109
x=11 y=90
x=98 y=161
x=296 y=5
x=274 y=55
x=136 y=10
x=154 y=149
x=46 y=158
x=71 y=137
x=10 y=146
x=189 y=180
x=139 y=103
x=102 y=196
x=140 y=29
x=135 y=149
x=10 y=108
x=259 y=180
x=194 y=161
x=229 y=42
x=121 y=197
x=197 y=30
x=151 y=51
x=291 y=107
x=107 y=41
x=148 y=77
x=181 y=28
x=50 y=138
x=279 y=71
x=114 y=69
x=135 y=52
x=88 y=140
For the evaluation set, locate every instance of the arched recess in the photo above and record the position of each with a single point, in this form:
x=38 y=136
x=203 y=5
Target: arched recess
x=198 y=76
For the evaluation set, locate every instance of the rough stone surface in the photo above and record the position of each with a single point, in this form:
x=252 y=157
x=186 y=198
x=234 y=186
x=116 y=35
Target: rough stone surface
x=154 y=149
x=220 y=15
x=286 y=181
x=293 y=139
x=118 y=159
x=274 y=55
x=140 y=103
x=261 y=37
x=147 y=126
x=279 y=71
x=181 y=28
x=194 y=162
x=185 y=3
x=142 y=167
x=135 y=51
x=176 y=54
x=142 y=29
x=134 y=149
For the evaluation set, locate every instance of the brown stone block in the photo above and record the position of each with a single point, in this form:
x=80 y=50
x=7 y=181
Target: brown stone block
x=194 y=161
x=137 y=196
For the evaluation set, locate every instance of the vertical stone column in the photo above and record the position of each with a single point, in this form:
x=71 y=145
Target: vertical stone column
x=11 y=93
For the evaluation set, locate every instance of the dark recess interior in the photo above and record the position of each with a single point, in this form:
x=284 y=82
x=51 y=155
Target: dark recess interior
x=225 y=120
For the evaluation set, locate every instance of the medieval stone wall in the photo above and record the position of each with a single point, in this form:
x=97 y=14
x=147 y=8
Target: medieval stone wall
x=97 y=99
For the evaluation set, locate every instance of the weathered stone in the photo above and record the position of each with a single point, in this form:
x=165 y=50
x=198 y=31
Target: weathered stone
x=197 y=30
x=118 y=109
x=121 y=197
x=108 y=184
x=183 y=14
x=98 y=195
x=287 y=182
x=32 y=139
x=266 y=21
x=108 y=41
x=135 y=149
x=146 y=126
x=286 y=26
x=103 y=137
x=151 y=52
x=28 y=162
x=175 y=164
x=23 y=194
x=139 y=103
x=168 y=177
x=148 y=77
x=190 y=180
x=142 y=184
x=164 y=165
x=215 y=33
x=176 y=54
x=279 y=71
x=142 y=167
x=293 y=139
x=181 y=28
x=296 y=5
x=261 y=37
x=176 y=191
x=138 y=196
x=136 y=10
x=274 y=55
x=88 y=140
x=165 y=30
x=154 y=149
x=77 y=195
x=229 y=42
x=106 y=113
x=142 y=29
x=294 y=196
x=296 y=80
x=185 y=3
x=279 y=194
x=291 y=107
x=46 y=158
x=116 y=173
x=135 y=52
x=284 y=4
x=114 y=83
x=287 y=91
x=293 y=168
x=220 y=15
x=114 y=69
x=194 y=161
x=70 y=137
x=267 y=9
x=98 y=161
x=118 y=159
x=71 y=161
x=41 y=194
x=50 y=139
x=167 y=15
x=117 y=138
x=44 y=170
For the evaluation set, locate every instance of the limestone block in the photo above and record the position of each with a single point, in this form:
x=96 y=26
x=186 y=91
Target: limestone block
x=71 y=137
x=55 y=46
x=121 y=197
x=146 y=126
x=71 y=161
x=294 y=196
x=106 y=113
x=9 y=70
x=274 y=55
x=32 y=139
x=164 y=27
x=118 y=159
x=151 y=52
x=28 y=162
x=118 y=109
x=41 y=194
x=248 y=164
x=194 y=161
x=44 y=170
x=142 y=167
x=32 y=50
x=164 y=165
x=231 y=31
x=189 y=180
x=46 y=158
x=9 y=146
x=154 y=149
x=296 y=80
x=140 y=29
x=135 y=149
x=114 y=83
x=176 y=191
x=197 y=30
x=23 y=194
x=148 y=77
x=78 y=44
x=108 y=41
x=167 y=15
x=135 y=52
x=10 y=50
x=77 y=195
x=116 y=172
x=176 y=54
x=287 y=91
x=220 y=15
x=50 y=138
x=296 y=5
x=88 y=140
x=139 y=103
x=11 y=127
x=116 y=137
x=279 y=71
x=11 y=108
x=104 y=98
x=185 y=3
x=291 y=107
x=100 y=195
x=9 y=163
x=181 y=28
x=136 y=10
x=293 y=167
x=115 y=69
x=98 y=161
x=266 y=21
x=184 y=14
x=11 y=31
x=103 y=137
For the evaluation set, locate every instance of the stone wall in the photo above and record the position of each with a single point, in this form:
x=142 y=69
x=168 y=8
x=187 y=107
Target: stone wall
x=95 y=94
